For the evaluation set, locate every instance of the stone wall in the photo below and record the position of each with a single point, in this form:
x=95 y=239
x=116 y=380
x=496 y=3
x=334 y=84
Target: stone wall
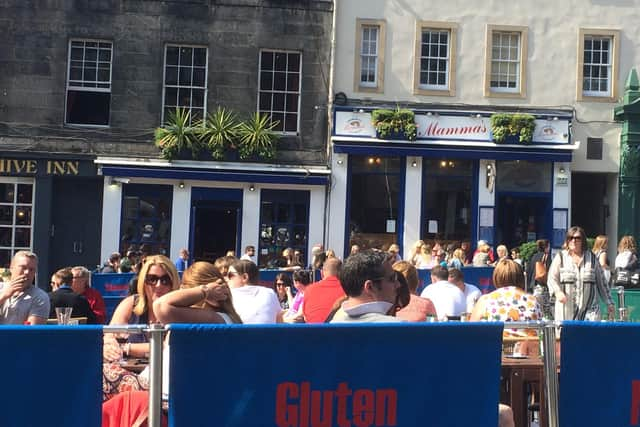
x=34 y=40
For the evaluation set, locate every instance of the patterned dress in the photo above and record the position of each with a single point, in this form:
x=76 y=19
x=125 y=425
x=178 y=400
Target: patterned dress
x=512 y=304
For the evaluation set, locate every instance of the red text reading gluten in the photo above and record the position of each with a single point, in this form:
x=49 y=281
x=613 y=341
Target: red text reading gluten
x=635 y=402
x=299 y=406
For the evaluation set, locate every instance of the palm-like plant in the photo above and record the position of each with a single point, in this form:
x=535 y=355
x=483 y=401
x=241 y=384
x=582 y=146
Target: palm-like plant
x=257 y=137
x=177 y=135
x=220 y=132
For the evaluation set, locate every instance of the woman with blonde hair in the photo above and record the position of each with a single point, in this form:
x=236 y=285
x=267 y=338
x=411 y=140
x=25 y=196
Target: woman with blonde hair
x=418 y=308
x=414 y=252
x=158 y=276
x=457 y=259
x=203 y=297
x=599 y=249
x=425 y=259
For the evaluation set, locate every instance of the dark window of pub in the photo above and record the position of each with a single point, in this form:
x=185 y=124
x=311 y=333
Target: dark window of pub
x=376 y=186
x=146 y=218
x=89 y=83
x=284 y=223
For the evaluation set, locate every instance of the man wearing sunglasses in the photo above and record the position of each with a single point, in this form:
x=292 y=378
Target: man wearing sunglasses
x=371 y=286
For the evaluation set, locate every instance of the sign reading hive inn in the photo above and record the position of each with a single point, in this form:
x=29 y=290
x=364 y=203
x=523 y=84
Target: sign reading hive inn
x=40 y=167
x=440 y=127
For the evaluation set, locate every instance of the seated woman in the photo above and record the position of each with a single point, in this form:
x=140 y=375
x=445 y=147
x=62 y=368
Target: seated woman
x=282 y=287
x=204 y=297
x=509 y=302
x=301 y=279
x=157 y=277
x=418 y=308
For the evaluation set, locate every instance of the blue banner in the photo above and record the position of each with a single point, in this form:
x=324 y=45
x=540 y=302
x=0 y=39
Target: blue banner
x=51 y=376
x=335 y=375
x=599 y=374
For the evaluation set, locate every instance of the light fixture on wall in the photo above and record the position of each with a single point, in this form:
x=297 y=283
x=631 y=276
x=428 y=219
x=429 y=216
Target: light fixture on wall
x=414 y=163
x=181 y=185
x=561 y=170
x=490 y=177
x=252 y=187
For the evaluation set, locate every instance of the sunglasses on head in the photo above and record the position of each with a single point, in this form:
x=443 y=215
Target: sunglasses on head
x=152 y=280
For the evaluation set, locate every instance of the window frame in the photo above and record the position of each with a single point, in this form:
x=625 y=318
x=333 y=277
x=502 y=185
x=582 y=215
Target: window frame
x=358 y=86
x=178 y=86
x=272 y=91
x=69 y=86
x=16 y=181
x=520 y=90
x=452 y=28
x=612 y=96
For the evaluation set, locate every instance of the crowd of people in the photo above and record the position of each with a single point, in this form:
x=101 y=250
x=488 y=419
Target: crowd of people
x=368 y=286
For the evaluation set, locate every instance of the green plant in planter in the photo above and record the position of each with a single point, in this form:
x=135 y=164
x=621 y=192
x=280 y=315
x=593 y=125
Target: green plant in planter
x=520 y=125
x=399 y=121
x=219 y=132
x=178 y=135
x=256 y=137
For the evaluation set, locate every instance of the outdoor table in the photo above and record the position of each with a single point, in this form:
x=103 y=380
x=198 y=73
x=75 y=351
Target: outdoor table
x=136 y=365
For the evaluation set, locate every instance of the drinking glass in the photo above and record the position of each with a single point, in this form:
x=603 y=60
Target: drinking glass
x=63 y=314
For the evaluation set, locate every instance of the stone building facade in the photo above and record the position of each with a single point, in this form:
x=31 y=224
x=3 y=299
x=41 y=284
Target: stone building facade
x=85 y=83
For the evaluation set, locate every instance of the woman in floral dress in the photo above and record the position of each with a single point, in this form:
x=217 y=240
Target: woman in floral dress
x=509 y=302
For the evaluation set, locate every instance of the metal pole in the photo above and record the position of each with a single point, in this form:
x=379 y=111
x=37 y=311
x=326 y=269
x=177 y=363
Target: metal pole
x=550 y=373
x=155 y=379
x=623 y=315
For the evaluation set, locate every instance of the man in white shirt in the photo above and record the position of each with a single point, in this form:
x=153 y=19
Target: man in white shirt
x=446 y=297
x=254 y=304
x=471 y=293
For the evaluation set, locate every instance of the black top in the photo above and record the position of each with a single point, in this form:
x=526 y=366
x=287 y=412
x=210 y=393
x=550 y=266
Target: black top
x=65 y=297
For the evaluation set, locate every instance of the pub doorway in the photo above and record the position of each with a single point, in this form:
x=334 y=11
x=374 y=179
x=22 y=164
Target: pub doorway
x=216 y=222
x=522 y=218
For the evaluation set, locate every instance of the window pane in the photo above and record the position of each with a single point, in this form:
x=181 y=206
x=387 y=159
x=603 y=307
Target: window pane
x=198 y=77
x=6 y=193
x=6 y=215
x=5 y=236
x=172 y=55
x=186 y=56
x=23 y=215
x=189 y=73
x=171 y=76
x=279 y=88
x=23 y=237
x=200 y=57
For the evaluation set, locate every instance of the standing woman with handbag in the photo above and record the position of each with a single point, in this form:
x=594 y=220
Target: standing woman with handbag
x=576 y=280
x=600 y=251
x=626 y=261
x=537 y=270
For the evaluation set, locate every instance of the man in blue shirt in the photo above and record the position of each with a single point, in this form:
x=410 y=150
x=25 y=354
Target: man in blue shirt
x=183 y=260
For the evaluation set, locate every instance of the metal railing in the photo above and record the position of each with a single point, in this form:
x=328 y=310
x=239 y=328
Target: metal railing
x=156 y=336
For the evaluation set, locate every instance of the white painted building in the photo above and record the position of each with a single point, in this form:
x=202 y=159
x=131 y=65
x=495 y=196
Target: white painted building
x=455 y=64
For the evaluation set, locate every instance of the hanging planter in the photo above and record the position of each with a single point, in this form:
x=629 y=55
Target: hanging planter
x=395 y=124
x=512 y=128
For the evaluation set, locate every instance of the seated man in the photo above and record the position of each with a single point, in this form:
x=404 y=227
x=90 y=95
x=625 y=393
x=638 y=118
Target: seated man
x=80 y=286
x=471 y=293
x=448 y=299
x=371 y=286
x=254 y=303
x=63 y=296
x=20 y=300
x=320 y=296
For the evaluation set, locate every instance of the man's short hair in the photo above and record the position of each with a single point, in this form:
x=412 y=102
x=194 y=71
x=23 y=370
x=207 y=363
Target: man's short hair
x=332 y=266
x=64 y=275
x=244 y=266
x=360 y=267
x=84 y=272
x=249 y=248
x=26 y=254
x=440 y=272
x=456 y=275
x=114 y=257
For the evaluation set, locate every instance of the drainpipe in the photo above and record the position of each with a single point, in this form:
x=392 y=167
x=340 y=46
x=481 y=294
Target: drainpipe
x=332 y=61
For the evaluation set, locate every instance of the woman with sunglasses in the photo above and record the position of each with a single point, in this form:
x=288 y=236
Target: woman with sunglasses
x=577 y=281
x=157 y=277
